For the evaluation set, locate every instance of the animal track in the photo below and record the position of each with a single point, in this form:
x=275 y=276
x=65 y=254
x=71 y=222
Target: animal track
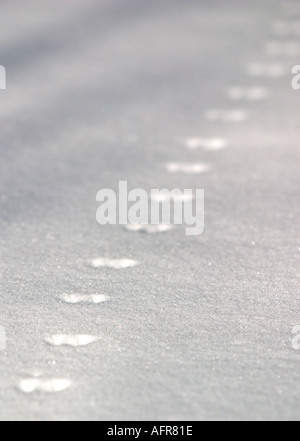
x=186 y=168
x=44 y=385
x=212 y=144
x=71 y=340
x=227 y=116
x=114 y=264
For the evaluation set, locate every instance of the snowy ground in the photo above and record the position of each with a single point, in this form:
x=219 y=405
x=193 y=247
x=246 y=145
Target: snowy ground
x=103 y=91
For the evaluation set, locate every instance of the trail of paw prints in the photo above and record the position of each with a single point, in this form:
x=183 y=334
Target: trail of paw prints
x=267 y=70
x=47 y=385
x=173 y=195
x=273 y=48
x=55 y=385
x=248 y=94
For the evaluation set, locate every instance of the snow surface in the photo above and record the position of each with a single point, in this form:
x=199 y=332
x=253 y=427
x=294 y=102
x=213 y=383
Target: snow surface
x=103 y=91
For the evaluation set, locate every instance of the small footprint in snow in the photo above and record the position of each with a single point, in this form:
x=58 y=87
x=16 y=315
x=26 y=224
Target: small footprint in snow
x=247 y=94
x=53 y=385
x=149 y=229
x=174 y=196
x=212 y=144
x=114 y=263
x=79 y=298
x=279 y=48
x=283 y=28
x=71 y=340
x=230 y=116
x=189 y=169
